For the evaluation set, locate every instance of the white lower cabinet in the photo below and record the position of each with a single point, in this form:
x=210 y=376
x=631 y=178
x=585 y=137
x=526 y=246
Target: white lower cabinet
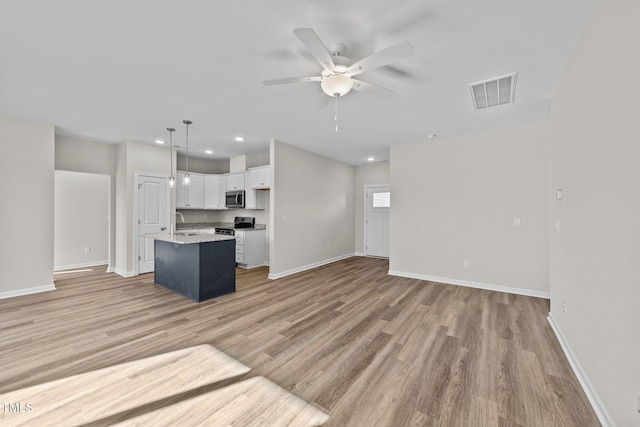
x=251 y=248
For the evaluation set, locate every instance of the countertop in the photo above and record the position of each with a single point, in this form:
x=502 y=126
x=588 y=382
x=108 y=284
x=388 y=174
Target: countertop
x=181 y=226
x=198 y=238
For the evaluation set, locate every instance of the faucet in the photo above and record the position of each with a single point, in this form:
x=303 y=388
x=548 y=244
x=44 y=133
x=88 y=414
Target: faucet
x=173 y=221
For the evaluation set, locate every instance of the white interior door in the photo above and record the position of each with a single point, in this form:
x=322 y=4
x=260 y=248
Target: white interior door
x=378 y=202
x=152 y=217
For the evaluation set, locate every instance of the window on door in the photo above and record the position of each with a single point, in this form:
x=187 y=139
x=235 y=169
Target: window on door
x=382 y=200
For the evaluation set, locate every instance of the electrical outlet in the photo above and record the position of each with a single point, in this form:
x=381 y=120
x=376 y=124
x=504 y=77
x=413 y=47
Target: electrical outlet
x=465 y=263
x=87 y=250
x=516 y=222
x=564 y=307
x=285 y=218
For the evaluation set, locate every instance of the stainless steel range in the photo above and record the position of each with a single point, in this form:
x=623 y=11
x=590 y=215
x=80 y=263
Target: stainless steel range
x=238 y=222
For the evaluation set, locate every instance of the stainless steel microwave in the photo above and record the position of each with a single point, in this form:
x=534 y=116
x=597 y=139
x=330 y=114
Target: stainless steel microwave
x=234 y=199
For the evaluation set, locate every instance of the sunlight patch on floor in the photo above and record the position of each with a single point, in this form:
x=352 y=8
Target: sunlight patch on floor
x=194 y=386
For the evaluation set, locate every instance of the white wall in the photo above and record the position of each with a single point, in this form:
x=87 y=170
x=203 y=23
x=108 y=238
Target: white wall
x=377 y=173
x=26 y=211
x=81 y=220
x=96 y=158
x=596 y=163
x=134 y=157
x=312 y=208
x=200 y=165
x=456 y=199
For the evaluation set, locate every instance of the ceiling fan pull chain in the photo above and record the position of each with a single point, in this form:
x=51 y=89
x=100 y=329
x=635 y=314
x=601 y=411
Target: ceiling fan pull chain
x=335 y=117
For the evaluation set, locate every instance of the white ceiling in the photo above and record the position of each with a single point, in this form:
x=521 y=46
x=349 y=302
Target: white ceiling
x=125 y=70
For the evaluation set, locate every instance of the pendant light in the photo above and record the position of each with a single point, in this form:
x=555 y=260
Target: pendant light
x=172 y=180
x=187 y=180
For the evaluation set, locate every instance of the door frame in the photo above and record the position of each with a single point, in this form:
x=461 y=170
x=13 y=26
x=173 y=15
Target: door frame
x=136 y=212
x=364 y=213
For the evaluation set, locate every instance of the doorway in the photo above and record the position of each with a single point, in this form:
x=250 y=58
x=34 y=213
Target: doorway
x=152 y=213
x=376 y=220
x=81 y=220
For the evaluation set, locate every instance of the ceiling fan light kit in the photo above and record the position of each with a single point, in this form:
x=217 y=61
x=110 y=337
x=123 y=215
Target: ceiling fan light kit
x=336 y=85
x=336 y=78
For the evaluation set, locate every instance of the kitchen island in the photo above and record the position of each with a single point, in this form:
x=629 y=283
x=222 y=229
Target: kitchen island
x=197 y=266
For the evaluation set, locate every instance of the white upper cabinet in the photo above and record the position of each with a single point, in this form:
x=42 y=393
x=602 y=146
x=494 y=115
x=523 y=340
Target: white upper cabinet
x=181 y=190
x=196 y=191
x=254 y=199
x=235 y=181
x=260 y=177
x=189 y=196
x=214 y=188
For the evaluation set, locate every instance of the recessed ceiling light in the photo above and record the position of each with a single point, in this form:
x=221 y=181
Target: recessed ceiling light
x=371 y=159
x=159 y=141
x=208 y=151
x=239 y=139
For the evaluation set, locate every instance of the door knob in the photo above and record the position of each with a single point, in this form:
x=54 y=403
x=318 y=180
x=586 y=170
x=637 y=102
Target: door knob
x=163 y=228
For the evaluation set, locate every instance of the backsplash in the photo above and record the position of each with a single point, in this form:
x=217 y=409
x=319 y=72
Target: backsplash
x=201 y=215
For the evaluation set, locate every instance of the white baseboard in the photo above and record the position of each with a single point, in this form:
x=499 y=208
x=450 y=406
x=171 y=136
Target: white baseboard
x=81 y=265
x=123 y=273
x=111 y=270
x=309 y=266
x=597 y=404
x=360 y=254
x=27 y=291
x=487 y=286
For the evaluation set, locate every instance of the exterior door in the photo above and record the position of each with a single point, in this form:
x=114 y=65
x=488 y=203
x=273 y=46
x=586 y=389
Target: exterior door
x=152 y=217
x=378 y=202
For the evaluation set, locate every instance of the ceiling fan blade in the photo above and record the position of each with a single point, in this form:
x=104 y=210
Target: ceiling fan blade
x=312 y=42
x=379 y=59
x=370 y=87
x=323 y=102
x=287 y=80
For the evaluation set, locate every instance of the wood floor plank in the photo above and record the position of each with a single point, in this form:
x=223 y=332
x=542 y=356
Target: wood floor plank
x=367 y=348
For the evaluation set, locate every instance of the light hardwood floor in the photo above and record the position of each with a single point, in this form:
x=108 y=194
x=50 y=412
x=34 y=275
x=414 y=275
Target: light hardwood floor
x=367 y=348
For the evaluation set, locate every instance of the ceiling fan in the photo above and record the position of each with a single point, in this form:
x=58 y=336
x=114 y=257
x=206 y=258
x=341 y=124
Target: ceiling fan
x=336 y=78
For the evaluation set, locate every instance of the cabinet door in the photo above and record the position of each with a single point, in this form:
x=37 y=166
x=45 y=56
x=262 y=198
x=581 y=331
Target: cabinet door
x=212 y=192
x=223 y=187
x=235 y=181
x=195 y=192
x=259 y=178
x=181 y=191
x=250 y=199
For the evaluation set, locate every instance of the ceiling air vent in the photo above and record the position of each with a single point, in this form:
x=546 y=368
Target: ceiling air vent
x=496 y=91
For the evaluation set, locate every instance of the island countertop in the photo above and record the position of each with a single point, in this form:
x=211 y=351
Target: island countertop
x=182 y=238
x=186 y=226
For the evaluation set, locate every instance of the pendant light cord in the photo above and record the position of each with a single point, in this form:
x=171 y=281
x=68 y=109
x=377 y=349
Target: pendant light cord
x=187 y=123
x=171 y=179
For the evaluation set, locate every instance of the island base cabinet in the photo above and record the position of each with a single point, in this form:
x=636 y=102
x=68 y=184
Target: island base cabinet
x=199 y=271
